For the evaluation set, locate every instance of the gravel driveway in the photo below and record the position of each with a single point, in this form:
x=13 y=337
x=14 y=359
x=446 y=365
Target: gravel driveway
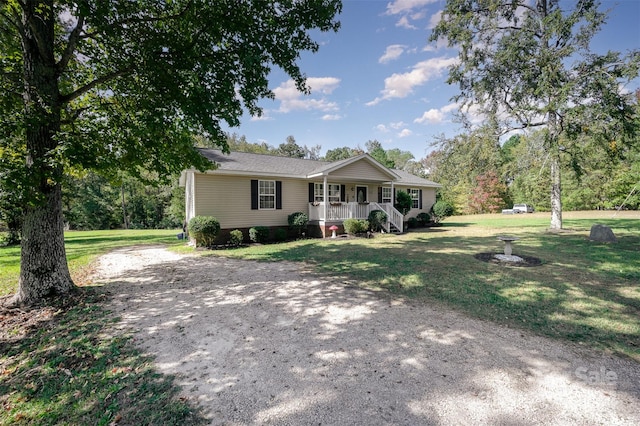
x=274 y=343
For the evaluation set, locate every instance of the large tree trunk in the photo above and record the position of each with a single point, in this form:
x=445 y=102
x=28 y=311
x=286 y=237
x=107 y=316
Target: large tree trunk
x=43 y=263
x=556 y=199
x=553 y=145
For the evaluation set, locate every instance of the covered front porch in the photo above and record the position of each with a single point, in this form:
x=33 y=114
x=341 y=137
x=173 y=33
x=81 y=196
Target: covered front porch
x=323 y=213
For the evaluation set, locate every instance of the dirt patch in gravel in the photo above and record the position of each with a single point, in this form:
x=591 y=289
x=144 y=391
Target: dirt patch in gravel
x=256 y=343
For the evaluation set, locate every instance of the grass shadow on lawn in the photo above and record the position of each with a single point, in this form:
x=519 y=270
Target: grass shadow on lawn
x=583 y=291
x=71 y=368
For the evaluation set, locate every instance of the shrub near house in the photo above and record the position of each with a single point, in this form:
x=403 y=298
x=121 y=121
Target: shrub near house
x=356 y=226
x=204 y=230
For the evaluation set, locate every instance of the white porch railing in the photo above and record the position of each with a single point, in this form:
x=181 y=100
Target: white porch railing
x=341 y=211
x=393 y=216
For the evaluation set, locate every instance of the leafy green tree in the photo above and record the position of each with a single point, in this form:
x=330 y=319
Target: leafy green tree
x=375 y=149
x=240 y=144
x=401 y=159
x=125 y=85
x=312 y=152
x=10 y=199
x=291 y=149
x=403 y=202
x=527 y=173
x=338 y=154
x=529 y=64
x=458 y=161
x=91 y=202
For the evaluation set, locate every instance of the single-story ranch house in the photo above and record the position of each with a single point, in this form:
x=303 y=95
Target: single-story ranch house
x=245 y=190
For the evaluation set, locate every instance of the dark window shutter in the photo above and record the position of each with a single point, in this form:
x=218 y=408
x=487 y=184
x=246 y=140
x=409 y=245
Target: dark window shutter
x=420 y=199
x=254 y=194
x=343 y=192
x=379 y=194
x=279 y=195
x=311 y=192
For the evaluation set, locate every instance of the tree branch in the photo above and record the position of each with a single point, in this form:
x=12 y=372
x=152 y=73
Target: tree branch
x=36 y=33
x=91 y=85
x=74 y=37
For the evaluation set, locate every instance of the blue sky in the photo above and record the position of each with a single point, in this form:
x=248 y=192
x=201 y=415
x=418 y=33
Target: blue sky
x=379 y=78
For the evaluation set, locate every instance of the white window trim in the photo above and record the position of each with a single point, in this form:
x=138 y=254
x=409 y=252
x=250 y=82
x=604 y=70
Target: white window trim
x=415 y=198
x=318 y=192
x=388 y=199
x=260 y=195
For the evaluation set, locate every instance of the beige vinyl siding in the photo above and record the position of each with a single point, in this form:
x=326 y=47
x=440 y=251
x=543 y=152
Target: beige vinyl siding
x=361 y=170
x=228 y=198
x=428 y=199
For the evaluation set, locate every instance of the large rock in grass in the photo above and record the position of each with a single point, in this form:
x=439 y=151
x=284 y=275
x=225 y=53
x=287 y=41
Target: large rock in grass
x=602 y=234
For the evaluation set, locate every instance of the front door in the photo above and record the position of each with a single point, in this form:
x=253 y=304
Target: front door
x=361 y=194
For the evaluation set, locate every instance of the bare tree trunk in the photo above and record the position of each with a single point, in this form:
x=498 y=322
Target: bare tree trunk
x=124 y=209
x=43 y=263
x=556 y=183
x=556 y=200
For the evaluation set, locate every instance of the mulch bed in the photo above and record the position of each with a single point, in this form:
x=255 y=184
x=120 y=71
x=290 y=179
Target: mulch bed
x=527 y=261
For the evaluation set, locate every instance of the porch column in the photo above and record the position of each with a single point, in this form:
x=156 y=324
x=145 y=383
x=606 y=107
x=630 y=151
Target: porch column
x=325 y=197
x=393 y=201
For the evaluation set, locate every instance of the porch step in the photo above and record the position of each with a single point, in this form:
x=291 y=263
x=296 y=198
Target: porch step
x=393 y=229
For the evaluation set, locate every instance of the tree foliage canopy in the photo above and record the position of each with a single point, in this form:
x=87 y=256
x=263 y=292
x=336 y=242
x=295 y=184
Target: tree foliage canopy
x=529 y=65
x=113 y=85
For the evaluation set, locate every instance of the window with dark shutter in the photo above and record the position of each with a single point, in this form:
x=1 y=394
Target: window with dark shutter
x=254 y=194
x=278 y=195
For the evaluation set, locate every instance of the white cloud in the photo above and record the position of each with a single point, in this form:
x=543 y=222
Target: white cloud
x=441 y=43
x=433 y=116
x=291 y=99
x=405 y=133
x=406 y=6
x=392 y=52
x=263 y=117
x=325 y=85
x=411 y=10
x=451 y=107
x=404 y=23
x=396 y=125
x=435 y=19
x=331 y=117
x=382 y=128
x=436 y=116
x=402 y=85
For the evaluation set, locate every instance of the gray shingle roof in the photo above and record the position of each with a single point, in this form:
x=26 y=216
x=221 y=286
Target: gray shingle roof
x=261 y=163
x=407 y=178
x=247 y=163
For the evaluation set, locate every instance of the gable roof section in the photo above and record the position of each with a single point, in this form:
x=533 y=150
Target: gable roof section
x=249 y=164
x=337 y=165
